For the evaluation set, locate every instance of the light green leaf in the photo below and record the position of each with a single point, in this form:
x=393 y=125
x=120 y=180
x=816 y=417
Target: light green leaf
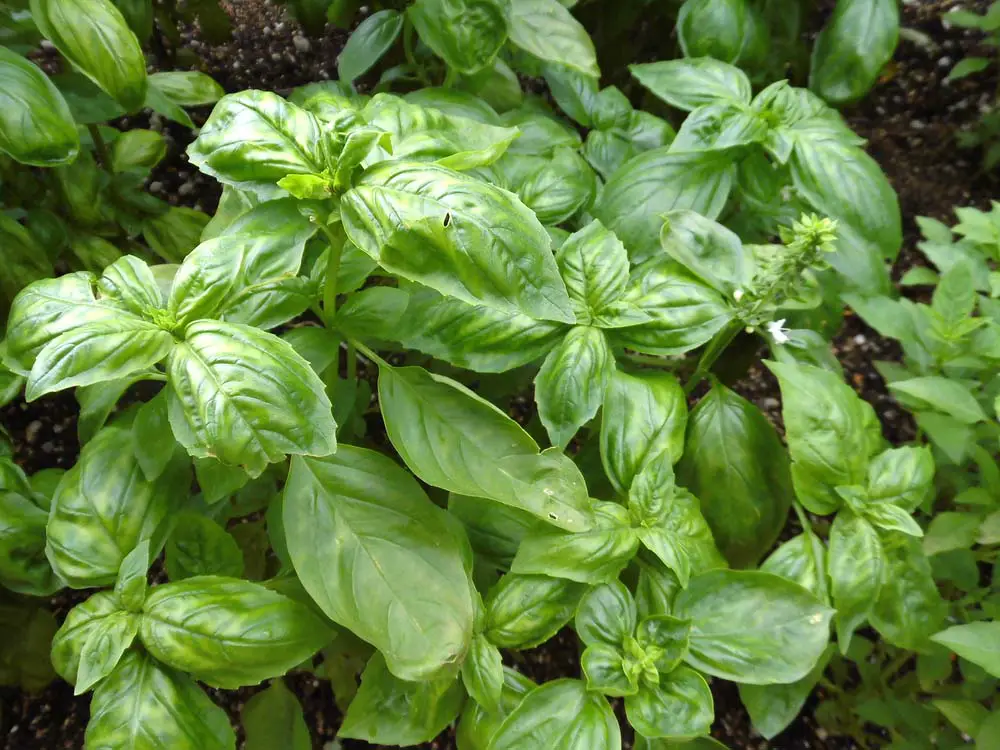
x=967 y=66
x=547 y=30
x=952 y=531
x=855 y=564
x=104 y=648
x=556 y=187
x=694 y=82
x=605 y=672
x=380 y=558
x=979 y=642
x=606 y=615
x=594 y=266
x=708 y=250
x=525 y=611
x=802 y=559
x=152 y=449
x=137 y=150
x=227 y=632
x=941 y=394
x=482 y=674
x=477 y=726
x=466 y=34
x=368 y=43
x=199 y=546
x=488 y=248
x=188 y=88
x=680 y=707
x=131 y=584
x=273 y=719
x=84 y=619
x=909 y=608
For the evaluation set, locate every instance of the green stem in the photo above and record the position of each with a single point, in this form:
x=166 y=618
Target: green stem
x=332 y=271
x=366 y=351
x=712 y=352
x=449 y=78
x=411 y=58
x=100 y=147
x=803 y=518
x=894 y=666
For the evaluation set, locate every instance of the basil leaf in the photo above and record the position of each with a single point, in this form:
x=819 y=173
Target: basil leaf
x=668 y=634
x=368 y=43
x=656 y=586
x=853 y=47
x=104 y=648
x=782 y=631
x=547 y=30
x=254 y=138
x=466 y=34
x=594 y=267
x=227 y=632
x=83 y=619
x=975 y=641
x=453 y=439
x=26 y=259
x=679 y=707
x=131 y=584
x=556 y=187
x=488 y=248
x=940 y=394
x=482 y=674
x=456 y=103
x=496 y=84
x=174 y=234
x=36 y=126
x=802 y=560
x=593 y=556
x=708 y=250
x=251 y=411
x=152 y=450
x=735 y=464
x=606 y=615
x=645 y=414
x=375 y=312
x=901 y=476
x=605 y=671
x=494 y=530
x=475 y=337
x=198 y=546
x=561 y=715
x=629 y=207
x=712 y=28
x=525 y=611
x=570 y=385
x=388 y=710
x=189 y=88
x=542 y=134
x=104 y=507
x=694 y=82
x=683 y=312
x=380 y=558
x=855 y=565
x=909 y=608
x=94 y=36
x=145 y=705
x=273 y=718
x=573 y=91
x=477 y=726
x=23 y=565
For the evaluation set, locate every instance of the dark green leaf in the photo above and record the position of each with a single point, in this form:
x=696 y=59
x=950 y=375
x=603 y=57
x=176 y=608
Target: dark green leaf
x=482 y=674
x=525 y=611
x=368 y=43
x=199 y=546
x=679 y=707
x=712 y=28
x=909 y=608
x=606 y=615
x=466 y=34
x=273 y=719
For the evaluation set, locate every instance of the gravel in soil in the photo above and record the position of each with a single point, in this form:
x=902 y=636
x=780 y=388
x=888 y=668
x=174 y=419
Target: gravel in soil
x=910 y=120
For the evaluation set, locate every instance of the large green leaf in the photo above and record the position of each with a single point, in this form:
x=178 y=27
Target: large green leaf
x=144 y=705
x=555 y=186
x=909 y=608
x=104 y=506
x=466 y=34
x=463 y=237
x=751 y=627
x=368 y=43
x=547 y=30
x=104 y=648
x=36 y=126
x=380 y=558
x=273 y=718
x=679 y=707
x=853 y=47
x=735 y=464
x=94 y=36
x=712 y=28
x=802 y=559
x=245 y=397
x=644 y=188
x=979 y=642
x=694 y=82
x=452 y=438
x=708 y=250
x=855 y=564
x=388 y=710
x=594 y=266
x=199 y=546
x=476 y=337
x=524 y=611
x=560 y=715
x=227 y=632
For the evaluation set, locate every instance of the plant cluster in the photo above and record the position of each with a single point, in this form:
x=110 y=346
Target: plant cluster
x=454 y=246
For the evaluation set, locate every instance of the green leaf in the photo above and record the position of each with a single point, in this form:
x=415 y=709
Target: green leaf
x=84 y=619
x=712 y=28
x=388 y=710
x=368 y=43
x=966 y=715
x=655 y=588
x=199 y=546
x=570 y=385
x=941 y=394
x=633 y=210
x=104 y=648
x=979 y=642
x=594 y=266
x=593 y=556
x=273 y=718
x=488 y=248
x=104 y=507
x=453 y=439
x=605 y=671
x=152 y=450
x=561 y=715
x=952 y=531
x=735 y=465
x=26 y=661
x=782 y=629
x=683 y=312
x=144 y=705
x=254 y=138
x=24 y=567
x=955 y=296
x=853 y=47
x=967 y=66
x=645 y=414
x=131 y=584
x=188 y=88
x=229 y=633
x=375 y=312
x=679 y=707
x=380 y=558
x=694 y=82
x=855 y=564
x=475 y=337
x=482 y=674
x=496 y=84
x=494 y=530
x=466 y=34
x=94 y=36
x=247 y=411
x=137 y=150
x=708 y=250
x=36 y=126
x=456 y=103
x=556 y=186
x=525 y=611
x=174 y=234
x=901 y=476
x=477 y=726
x=547 y=30
x=909 y=608
x=826 y=425
x=606 y=615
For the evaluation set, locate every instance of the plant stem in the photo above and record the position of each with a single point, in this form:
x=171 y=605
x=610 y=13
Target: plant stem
x=803 y=518
x=366 y=351
x=352 y=360
x=411 y=58
x=449 y=78
x=894 y=666
x=100 y=147
x=332 y=271
x=712 y=352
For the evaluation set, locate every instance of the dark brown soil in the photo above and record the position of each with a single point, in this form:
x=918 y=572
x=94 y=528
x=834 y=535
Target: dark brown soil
x=910 y=121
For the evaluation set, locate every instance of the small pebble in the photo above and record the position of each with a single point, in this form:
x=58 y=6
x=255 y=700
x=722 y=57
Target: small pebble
x=48 y=447
x=301 y=43
x=860 y=339
x=155 y=187
x=32 y=430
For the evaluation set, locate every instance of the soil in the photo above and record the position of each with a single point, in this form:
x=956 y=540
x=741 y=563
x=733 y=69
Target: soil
x=910 y=120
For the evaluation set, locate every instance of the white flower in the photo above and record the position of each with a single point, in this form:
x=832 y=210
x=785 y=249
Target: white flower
x=738 y=295
x=777 y=330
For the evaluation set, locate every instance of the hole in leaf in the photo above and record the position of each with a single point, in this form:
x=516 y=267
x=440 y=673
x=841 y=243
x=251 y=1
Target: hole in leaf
x=447 y=219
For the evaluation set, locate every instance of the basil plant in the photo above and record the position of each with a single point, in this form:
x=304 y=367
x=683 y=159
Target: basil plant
x=88 y=203
x=456 y=253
